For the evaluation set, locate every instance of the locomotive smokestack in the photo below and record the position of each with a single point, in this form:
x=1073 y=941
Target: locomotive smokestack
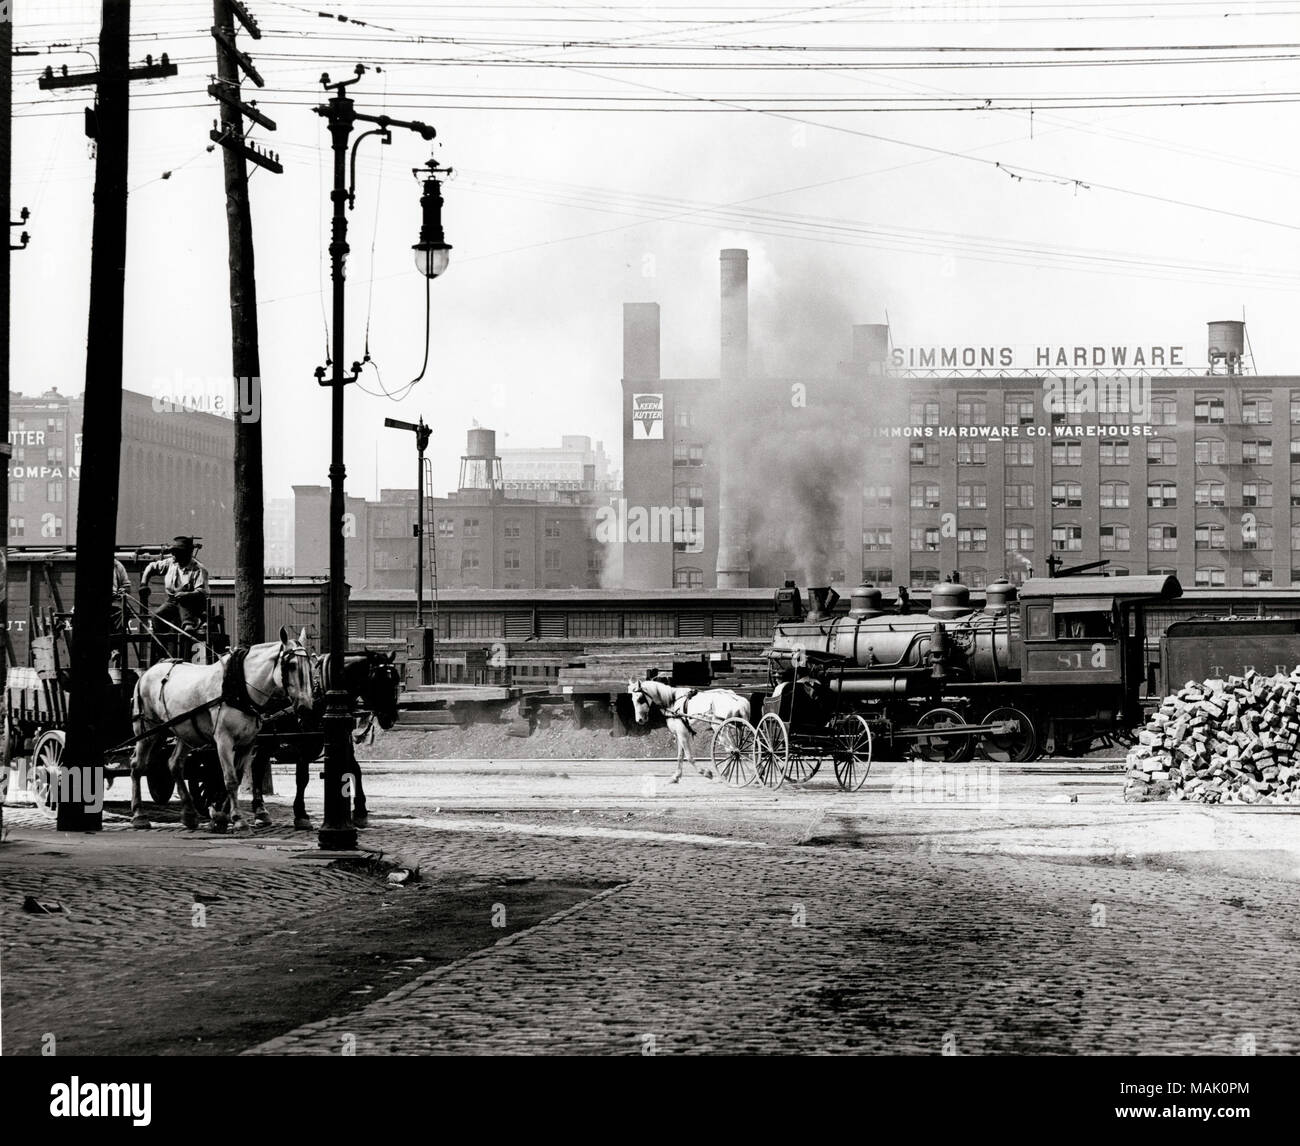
x=733 y=509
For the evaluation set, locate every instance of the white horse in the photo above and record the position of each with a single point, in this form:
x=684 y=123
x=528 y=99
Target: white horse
x=223 y=710
x=685 y=709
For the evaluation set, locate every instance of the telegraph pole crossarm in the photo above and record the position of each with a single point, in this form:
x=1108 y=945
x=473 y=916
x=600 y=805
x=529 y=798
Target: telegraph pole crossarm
x=146 y=71
x=24 y=238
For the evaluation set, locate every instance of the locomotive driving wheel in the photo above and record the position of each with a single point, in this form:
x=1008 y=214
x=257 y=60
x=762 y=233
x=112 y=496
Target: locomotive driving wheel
x=734 y=748
x=851 y=750
x=773 y=753
x=1016 y=743
x=939 y=746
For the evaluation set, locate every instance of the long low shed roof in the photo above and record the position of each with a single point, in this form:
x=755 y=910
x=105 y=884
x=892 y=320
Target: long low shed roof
x=1163 y=588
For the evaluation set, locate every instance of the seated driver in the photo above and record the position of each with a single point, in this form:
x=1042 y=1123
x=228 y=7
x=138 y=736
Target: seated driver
x=185 y=581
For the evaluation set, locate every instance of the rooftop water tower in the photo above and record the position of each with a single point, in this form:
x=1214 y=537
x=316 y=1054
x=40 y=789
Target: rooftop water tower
x=1227 y=346
x=480 y=465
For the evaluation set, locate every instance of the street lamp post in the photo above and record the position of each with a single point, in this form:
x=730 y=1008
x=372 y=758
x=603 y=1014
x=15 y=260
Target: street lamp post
x=422 y=433
x=337 y=832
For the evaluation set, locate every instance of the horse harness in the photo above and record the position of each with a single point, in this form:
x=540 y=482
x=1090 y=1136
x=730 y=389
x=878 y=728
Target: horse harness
x=236 y=692
x=678 y=709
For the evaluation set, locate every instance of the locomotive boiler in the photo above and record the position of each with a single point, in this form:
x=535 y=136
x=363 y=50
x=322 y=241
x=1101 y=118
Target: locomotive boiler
x=1050 y=667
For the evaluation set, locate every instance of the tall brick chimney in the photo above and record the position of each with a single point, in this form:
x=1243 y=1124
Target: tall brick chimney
x=733 y=505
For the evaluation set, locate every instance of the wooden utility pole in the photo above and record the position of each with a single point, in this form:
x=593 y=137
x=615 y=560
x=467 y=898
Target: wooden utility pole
x=81 y=776
x=6 y=135
x=246 y=366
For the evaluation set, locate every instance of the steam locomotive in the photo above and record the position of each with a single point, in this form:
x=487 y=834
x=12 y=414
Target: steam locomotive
x=1051 y=667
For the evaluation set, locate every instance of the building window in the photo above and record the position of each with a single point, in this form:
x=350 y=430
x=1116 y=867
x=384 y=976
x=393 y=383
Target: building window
x=1209 y=536
x=686 y=495
x=874 y=540
x=1295 y=412
x=972 y=495
x=972 y=453
x=1068 y=538
x=1114 y=453
x=1114 y=403
x=1257 y=410
x=1068 y=494
x=511 y=528
x=1018 y=410
x=51 y=525
x=1164 y=411
x=686 y=454
x=1211 y=452
x=924 y=412
x=54 y=454
x=688 y=579
x=1020 y=538
x=511 y=559
x=1066 y=407
x=1257 y=452
x=471 y=527
x=446 y=527
x=469 y=559
x=1019 y=453
x=877 y=575
x=1067 y=453
x=17 y=491
x=1258 y=537
x=973 y=540
x=923 y=454
x=924 y=578
x=17 y=527
x=1162 y=537
x=552 y=560
x=1210 y=493
x=1162 y=452
x=553 y=527
x=1114 y=495
x=1256 y=578
x=53 y=491
x=1019 y=495
x=1209 y=577
x=925 y=495
x=54 y=425
x=971 y=411
x=1209 y=410
x=683 y=417
x=1114 y=538
x=1162 y=495
x=878 y=496
x=925 y=538
x=1257 y=493
x=974 y=577
x=1295 y=541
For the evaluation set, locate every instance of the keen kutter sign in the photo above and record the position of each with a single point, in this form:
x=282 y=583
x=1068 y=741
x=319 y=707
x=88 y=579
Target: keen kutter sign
x=647 y=417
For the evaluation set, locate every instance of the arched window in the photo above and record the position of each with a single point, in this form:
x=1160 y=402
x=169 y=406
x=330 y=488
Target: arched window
x=1067 y=538
x=1211 y=493
x=1162 y=495
x=1162 y=537
x=1209 y=535
x=1162 y=452
x=1257 y=493
x=974 y=577
x=925 y=495
x=1114 y=538
x=924 y=577
x=1067 y=494
x=688 y=578
x=1164 y=411
x=1211 y=452
x=1209 y=576
x=1020 y=538
x=1114 y=495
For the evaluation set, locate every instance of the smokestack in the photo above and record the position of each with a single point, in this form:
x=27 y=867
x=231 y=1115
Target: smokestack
x=641 y=341
x=733 y=510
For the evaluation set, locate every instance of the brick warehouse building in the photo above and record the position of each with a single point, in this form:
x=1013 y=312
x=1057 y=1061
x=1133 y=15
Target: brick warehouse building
x=176 y=474
x=985 y=471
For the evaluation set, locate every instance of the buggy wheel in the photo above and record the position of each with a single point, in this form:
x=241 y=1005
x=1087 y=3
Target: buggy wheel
x=851 y=751
x=158 y=776
x=801 y=768
x=773 y=753
x=46 y=757
x=733 y=751
x=1017 y=744
x=936 y=745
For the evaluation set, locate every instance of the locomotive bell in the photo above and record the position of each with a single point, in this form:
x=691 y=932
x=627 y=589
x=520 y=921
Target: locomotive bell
x=949 y=599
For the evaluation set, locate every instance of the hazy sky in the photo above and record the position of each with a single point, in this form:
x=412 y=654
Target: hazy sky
x=1109 y=224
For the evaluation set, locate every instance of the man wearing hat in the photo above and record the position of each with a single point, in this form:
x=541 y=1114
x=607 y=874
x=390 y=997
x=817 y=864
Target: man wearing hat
x=186 y=584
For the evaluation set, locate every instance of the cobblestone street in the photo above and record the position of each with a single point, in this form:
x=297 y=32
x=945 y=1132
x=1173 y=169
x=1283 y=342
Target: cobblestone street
x=565 y=912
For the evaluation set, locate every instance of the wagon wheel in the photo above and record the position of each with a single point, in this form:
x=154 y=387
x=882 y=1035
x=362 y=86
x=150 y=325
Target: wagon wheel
x=949 y=748
x=1014 y=746
x=46 y=755
x=773 y=752
x=158 y=775
x=800 y=768
x=851 y=751
x=733 y=751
